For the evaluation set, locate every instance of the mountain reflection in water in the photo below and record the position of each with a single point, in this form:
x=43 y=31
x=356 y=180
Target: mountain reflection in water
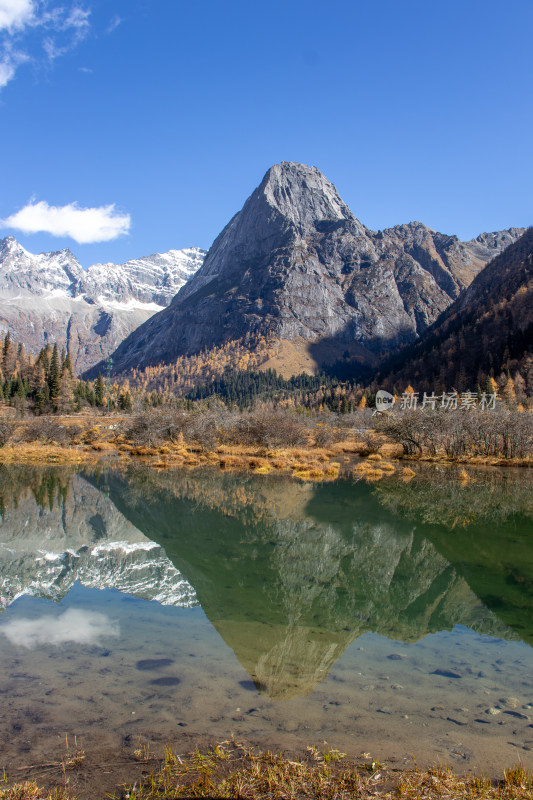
x=288 y=573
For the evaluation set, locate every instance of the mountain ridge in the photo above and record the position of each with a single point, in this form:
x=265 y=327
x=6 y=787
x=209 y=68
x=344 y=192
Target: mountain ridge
x=49 y=296
x=297 y=267
x=489 y=328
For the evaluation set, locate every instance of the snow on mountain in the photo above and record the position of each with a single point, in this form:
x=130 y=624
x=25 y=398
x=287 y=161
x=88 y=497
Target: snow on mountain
x=83 y=538
x=50 y=297
x=153 y=279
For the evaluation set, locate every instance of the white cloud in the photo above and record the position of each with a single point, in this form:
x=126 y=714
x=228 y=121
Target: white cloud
x=84 y=225
x=9 y=62
x=113 y=25
x=74 y=625
x=62 y=29
x=7 y=70
x=15 y=14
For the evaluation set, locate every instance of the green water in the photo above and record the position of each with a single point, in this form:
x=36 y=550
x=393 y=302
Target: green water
x=337 y=606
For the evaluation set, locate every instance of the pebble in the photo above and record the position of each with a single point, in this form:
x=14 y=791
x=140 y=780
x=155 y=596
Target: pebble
x=510 y=702
x=517 y=714
x=396 y=656
x=446 y=673
x=493 y=711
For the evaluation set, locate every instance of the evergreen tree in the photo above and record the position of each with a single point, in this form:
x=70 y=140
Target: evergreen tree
x=66 y=392
x=54 y=375
x=99 y=390
x=67 y=365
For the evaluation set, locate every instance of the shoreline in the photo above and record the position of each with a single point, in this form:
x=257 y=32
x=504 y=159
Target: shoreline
x=234 y=769
x=306 y=463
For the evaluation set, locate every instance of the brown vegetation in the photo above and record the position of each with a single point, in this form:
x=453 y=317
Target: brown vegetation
x=269 y=437
x=232 y=770
x=463 y=434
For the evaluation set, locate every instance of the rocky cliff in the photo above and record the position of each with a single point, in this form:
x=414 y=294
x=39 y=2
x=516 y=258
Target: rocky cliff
x=50 y=297
x=297 y=267
x=489 y=328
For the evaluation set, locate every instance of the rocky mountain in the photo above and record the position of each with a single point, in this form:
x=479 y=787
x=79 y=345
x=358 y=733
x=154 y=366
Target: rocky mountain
x=295 y=266
x=489 y=328
x=50 y=297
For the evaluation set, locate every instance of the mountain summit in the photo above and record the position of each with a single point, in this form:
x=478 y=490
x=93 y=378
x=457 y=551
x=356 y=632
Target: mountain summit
x=296 y=267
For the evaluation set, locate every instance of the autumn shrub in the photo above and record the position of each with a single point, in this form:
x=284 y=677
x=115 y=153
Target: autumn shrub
x=47 y=430
x=7 y=429
x=270 y=427
x=501 y=433
x=204 y=426
x=325 y=434
x=153 y=427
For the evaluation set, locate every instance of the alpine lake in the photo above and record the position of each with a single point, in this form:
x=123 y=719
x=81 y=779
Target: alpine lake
x=144 y=607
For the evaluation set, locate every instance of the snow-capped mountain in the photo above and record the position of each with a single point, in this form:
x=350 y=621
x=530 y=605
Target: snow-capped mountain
x=50 y=297
x=82 y=538
x=153 y=279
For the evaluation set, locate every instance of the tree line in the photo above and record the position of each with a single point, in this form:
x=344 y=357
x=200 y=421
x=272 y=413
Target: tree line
x=45 y=384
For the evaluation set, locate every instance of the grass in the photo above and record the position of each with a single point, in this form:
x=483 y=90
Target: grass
x=232 y=770
x=39 y=453
x=29 y=790
x=107 y=437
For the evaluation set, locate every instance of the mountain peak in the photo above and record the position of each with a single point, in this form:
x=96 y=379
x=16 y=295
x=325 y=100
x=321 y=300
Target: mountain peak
x=10 y=246
x=292 y=203
x=297 y=268
x=302 y=195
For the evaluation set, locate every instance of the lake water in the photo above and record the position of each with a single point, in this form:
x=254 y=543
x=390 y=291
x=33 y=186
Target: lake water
x=142 y=608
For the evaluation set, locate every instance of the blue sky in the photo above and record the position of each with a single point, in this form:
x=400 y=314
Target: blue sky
x=162 y=115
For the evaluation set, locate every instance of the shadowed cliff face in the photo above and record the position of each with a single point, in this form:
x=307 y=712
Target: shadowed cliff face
x=290 y=585
x=295 y=265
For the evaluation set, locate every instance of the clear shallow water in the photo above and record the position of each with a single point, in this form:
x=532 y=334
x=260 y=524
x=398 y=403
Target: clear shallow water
x=394 y=619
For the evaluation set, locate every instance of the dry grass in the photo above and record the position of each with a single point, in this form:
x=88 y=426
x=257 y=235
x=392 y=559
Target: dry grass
x=42 y=454
x=391 y=450
x=29 y=790
x=232 y=770
x=229 y=461
x=356 y=448
x=373 y=474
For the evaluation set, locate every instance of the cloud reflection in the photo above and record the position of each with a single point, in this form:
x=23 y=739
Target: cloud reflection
x=74 y=625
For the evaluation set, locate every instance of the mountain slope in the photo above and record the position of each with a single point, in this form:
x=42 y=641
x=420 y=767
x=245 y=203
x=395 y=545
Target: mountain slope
x=296 y=267
x=51 y=297
x=487 y=329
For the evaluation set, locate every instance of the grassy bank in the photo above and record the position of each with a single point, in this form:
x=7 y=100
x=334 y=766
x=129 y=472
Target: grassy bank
x=268 y=439
x=232 y=770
